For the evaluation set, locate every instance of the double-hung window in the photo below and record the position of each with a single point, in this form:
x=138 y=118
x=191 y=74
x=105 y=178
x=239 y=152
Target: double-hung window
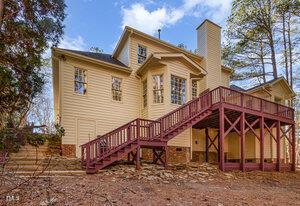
x=142 y=54
x=145 y=93
x=116 y=89
x=178 y=90
x=158 y=89
x=80 y=81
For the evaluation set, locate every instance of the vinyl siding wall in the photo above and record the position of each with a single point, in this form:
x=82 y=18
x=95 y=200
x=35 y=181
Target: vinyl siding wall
x=85 y=116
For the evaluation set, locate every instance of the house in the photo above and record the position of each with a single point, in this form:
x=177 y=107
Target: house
x=152 y=99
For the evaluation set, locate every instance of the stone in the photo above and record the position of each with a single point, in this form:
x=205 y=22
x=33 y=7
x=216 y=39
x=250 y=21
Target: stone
x=49 y=201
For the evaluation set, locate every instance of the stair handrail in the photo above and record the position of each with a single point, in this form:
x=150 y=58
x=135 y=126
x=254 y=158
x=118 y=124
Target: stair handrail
x=206 y=93
x=203 y=102
x=94 y=150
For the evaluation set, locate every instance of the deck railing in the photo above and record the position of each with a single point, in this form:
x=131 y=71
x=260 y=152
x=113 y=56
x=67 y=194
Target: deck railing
x=230 y=96
x=142 y=129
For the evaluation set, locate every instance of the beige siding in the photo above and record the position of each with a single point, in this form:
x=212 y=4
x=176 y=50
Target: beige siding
x=86 y=131
x=124 y=54
x=151 y=48
x=209 y=45
x=56 y=88
x=225 y=77
x=97 y=105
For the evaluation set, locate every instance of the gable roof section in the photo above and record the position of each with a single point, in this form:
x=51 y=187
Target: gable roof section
x=237 y=88
x=159 y=55
x=98 y=58
x=266 y=84
x=129 y=30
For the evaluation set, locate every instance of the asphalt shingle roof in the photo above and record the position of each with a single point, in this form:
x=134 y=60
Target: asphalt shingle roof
x=98 y=56
x=235 y=87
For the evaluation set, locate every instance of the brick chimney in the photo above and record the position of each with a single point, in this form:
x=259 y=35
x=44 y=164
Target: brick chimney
x=209 y=47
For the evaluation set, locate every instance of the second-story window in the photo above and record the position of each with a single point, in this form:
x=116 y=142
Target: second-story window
x=178 y=90
x=145 y=93
x=194 y=89
x=80 y=81
x=116 y=89
x=158 y=89
x=142 y=54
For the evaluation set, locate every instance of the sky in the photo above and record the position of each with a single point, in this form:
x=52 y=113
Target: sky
x=99 y=23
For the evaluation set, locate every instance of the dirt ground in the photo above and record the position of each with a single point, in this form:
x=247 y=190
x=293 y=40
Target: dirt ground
x=193 y=184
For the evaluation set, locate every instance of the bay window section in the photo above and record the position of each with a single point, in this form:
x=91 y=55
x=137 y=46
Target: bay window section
x=145 y=93
x=178 y=90
x=158 y=89
x=194 y=89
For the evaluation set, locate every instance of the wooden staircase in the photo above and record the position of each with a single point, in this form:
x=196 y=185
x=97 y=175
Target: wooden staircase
x=139 y=133
x=129 y=138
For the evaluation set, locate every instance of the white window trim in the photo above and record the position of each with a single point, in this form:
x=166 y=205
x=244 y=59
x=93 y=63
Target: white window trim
x=138 y=55
x=163 y=89
x=86 y=82
x=186 y=86
x=111 y=89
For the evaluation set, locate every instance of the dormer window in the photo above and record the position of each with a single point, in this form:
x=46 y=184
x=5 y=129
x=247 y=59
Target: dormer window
x=80 y=81
x=142 y=53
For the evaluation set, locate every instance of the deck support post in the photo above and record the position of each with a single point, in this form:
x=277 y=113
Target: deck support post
x=206 y=145
x=262 y=152
x=221 y=149
x=137 y=158
x=138 y=149
x=278 y=137
x=166 y=156
x=242 y=136
x=293 y=168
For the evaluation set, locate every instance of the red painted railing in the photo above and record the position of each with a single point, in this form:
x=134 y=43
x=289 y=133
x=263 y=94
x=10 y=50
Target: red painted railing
x=223 y=94
x=142 y=129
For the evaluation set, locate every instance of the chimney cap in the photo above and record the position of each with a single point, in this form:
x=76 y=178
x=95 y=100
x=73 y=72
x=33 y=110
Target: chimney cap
x=207 y=20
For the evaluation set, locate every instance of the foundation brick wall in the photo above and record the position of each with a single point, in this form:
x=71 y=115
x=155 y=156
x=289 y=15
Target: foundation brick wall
x=199 y=156
x=68 y=150
x=176 y=154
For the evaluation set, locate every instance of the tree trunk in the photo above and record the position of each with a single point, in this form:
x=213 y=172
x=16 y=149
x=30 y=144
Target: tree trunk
x=285 y=48
x=290 y=50
x=269 y=29
x=273 y=57
x=262 y=61
x=1 y=11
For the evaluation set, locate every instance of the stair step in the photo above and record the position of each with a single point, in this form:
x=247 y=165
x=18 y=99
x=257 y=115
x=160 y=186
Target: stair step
x=24 y=167
x=24 y=162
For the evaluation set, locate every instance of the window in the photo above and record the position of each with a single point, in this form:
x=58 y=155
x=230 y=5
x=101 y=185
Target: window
x=80 y=81
x=158 y=96
x=142 y=54
x=145 y=93
x=116 y=89
x=178 y=88
x=194 y=89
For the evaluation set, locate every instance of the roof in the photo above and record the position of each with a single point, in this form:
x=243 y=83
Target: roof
x=157 y=56
x=268 y=83
x=129 y=30
x=98 y=56
x=237 y=88
x=207 y=20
